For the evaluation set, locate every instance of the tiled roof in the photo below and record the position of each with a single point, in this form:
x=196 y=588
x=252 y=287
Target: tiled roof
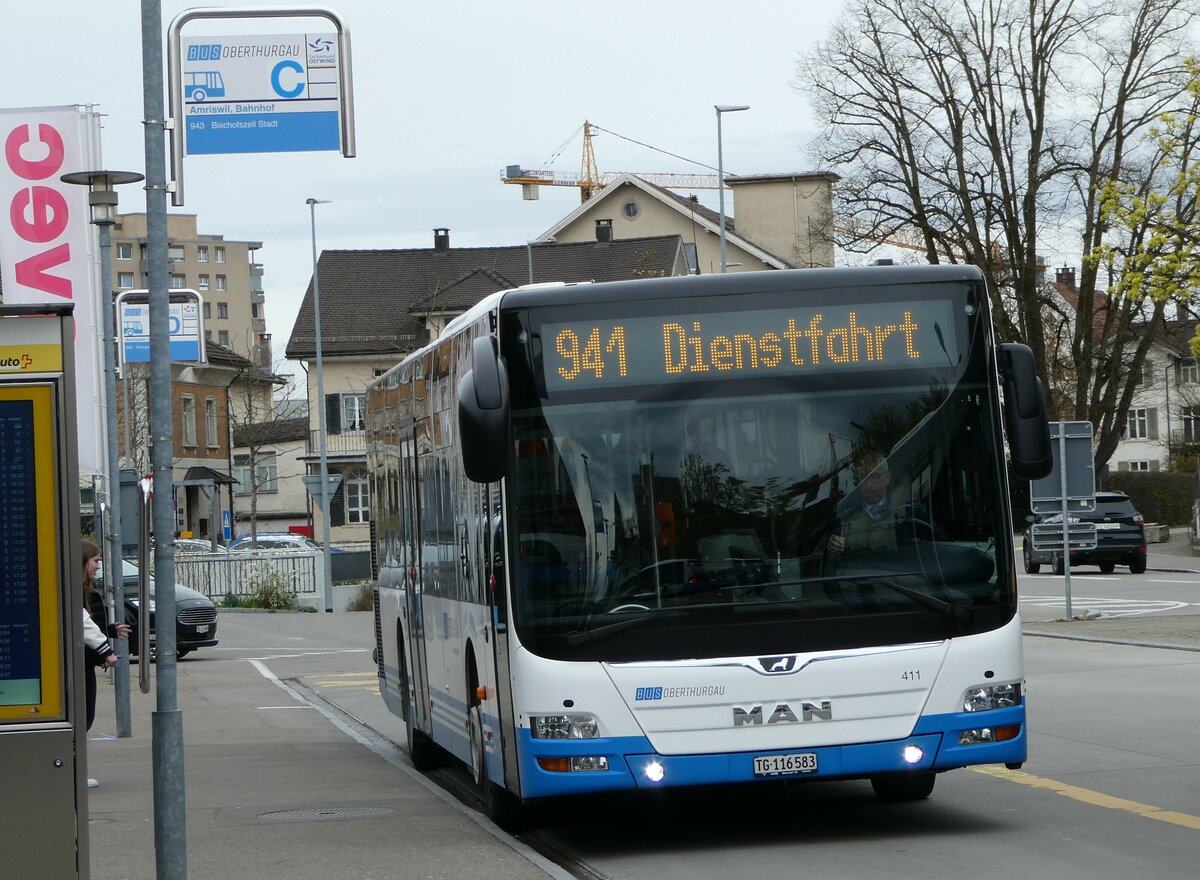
x=277 y=431
x=372 y=301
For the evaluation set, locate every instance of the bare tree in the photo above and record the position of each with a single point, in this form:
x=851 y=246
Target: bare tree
x=252 y=427
x=975 y=129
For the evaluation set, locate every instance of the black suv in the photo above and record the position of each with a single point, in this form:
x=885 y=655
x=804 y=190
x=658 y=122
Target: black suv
x=1120 y=538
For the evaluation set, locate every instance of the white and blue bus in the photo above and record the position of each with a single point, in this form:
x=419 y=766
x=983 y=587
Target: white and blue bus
x=610 y=531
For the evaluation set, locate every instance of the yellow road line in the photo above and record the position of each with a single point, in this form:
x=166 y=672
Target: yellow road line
x=1095 y=798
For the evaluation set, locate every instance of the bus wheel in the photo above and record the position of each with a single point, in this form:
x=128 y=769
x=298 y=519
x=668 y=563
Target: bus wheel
x=903 y=787
x=499 y=805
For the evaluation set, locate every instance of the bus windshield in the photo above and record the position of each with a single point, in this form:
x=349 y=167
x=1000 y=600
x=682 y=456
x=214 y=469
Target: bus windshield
x=754 y=513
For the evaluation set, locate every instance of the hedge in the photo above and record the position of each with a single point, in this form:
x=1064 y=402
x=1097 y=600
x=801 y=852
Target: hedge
x=1160 y=496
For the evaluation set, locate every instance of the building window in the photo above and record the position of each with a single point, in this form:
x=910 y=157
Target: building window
x=210 y=423
x=201 y=253
x=219 y=253
x=206 y=308
x=223 y=337
x=1139 y=424
x=1189 y=371
x=222 y=311
x=178 y=281
x=254 y=310
x=203 y=282
x=354 y=412
x=175 y=252
x=631 y=209
x=124 y=251
x=187 y=419
x=357 y=496
x=266 y=473
x=220 y=282
x=1142 y=466
x=125 y=279
x=1191 y=424
x=207 y=333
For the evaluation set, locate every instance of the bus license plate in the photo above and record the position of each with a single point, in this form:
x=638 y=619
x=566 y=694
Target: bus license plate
x=778 y=765
x=202 y=628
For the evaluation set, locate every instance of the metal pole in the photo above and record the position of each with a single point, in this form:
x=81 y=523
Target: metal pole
x=529 y=252
x=170 y=816
x=723 y=108
x=325 y=499
x=721 y=189
x=1066 y=528
x=115 y=578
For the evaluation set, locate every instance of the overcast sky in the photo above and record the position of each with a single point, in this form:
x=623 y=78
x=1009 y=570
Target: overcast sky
x=447 y=95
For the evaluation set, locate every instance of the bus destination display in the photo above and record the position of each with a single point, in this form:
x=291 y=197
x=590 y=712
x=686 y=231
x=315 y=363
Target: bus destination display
x=20 y=642
x=772 y=342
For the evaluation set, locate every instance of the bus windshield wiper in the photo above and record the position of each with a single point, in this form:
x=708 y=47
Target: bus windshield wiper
x=947 y=607
x=587 y=635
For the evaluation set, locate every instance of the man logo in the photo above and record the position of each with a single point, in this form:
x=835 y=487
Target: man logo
x=777 y=665
x=809 y=711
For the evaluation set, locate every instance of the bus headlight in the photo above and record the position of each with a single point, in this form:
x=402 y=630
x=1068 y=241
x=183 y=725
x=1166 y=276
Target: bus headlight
x=564 y=727
x=983 y=697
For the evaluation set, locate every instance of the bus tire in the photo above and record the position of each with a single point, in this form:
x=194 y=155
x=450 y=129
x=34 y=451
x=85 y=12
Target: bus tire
x=903 y=787
x=497 y=803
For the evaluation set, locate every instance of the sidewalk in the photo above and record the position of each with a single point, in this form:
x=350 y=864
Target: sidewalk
x=275 y=790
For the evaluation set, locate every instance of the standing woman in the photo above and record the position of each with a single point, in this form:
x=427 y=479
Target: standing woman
x=96 y=631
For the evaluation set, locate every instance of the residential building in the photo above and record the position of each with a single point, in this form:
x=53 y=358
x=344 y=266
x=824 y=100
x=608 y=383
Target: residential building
x=379 y=305
x=206 y=399
x=225 y=273
x=784 y=221
x=268 y=462
x=1164 y=413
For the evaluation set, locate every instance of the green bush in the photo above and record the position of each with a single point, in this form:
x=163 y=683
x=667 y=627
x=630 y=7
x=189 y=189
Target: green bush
x=364 y=599
x=1159 y=496
x=270 y=589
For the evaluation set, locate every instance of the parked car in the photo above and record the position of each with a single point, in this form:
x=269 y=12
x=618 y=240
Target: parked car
x=273 y=541
x=277 y=541
x=195 y=614
x=197 y=545
x=1120 y=538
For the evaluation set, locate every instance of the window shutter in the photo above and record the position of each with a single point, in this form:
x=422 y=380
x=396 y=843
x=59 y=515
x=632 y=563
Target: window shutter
x=1155 y=464
x=337 y=505
x=1122 y=465
x=333 y=413
x=1152 y=420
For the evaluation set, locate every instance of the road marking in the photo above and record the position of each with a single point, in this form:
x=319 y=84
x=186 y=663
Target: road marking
x=1107 y=607
x=1095 y=798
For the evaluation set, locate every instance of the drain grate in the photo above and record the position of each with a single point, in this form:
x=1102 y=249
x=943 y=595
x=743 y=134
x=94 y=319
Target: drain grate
x=322 y=814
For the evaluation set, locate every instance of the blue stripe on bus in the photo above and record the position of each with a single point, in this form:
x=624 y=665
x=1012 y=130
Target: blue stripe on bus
x=629 y=756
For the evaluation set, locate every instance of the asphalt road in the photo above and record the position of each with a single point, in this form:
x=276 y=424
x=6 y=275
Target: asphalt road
x=1112 y=788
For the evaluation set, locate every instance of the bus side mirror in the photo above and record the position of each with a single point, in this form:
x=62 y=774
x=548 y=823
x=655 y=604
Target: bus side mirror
x=483 y=412
x=1025 y=419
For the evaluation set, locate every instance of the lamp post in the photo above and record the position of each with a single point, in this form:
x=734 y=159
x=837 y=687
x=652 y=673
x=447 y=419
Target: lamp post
x=323 y=497
x=102 y=200
x=723 y=108
x=529 y=251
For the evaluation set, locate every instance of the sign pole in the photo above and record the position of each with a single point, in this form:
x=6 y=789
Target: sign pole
x=1066 y=551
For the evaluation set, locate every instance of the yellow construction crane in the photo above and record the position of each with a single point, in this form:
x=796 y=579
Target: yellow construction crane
x=590 y=181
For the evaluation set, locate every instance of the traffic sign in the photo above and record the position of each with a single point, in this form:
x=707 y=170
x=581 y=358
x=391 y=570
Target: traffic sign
x=312 y=482
x=260 y=94
x=1072 y=442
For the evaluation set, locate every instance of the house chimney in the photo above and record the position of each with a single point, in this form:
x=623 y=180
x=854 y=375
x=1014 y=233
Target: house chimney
x=441 y=239
x=603 y=231
x=1065 y=276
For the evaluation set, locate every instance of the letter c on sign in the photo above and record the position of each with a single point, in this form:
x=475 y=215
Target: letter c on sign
x=278 y=86
x=36 y=169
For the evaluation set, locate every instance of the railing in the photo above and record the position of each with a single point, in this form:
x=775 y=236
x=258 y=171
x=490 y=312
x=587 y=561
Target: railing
x=345 y=443
x=218 y=575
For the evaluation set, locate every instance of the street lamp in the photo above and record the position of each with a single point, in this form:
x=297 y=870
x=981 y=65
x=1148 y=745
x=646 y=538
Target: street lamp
x=102 y=199
x=723 y=108
x=323 y=496
x=529 y=251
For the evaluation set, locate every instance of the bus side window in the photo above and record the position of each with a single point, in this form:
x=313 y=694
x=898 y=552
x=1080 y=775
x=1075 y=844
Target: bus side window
x=496 y=581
